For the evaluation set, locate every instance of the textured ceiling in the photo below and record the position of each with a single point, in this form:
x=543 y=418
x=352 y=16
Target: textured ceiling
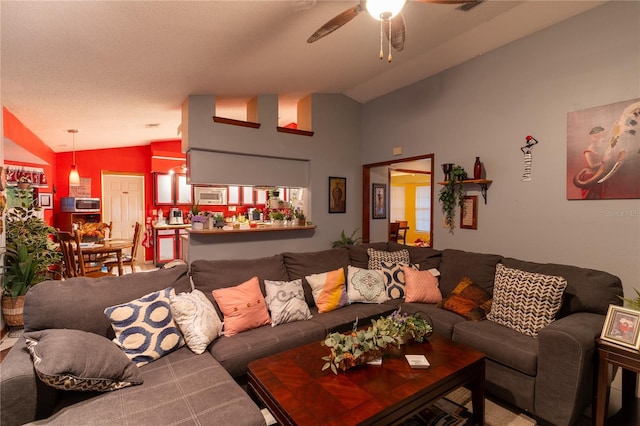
x=109 y=68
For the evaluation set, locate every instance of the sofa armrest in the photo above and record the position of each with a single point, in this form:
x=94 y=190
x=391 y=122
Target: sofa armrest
x=23 y=397
x=566 y=365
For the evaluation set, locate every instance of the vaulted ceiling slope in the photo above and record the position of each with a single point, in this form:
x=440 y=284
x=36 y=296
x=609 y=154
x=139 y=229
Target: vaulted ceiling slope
x=110 y=68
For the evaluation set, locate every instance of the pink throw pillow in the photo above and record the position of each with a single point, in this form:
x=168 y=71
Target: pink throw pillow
x=243 y=307
x=421 y=286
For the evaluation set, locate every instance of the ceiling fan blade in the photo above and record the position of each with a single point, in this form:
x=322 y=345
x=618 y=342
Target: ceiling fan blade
x=397 y=31
x=335 y=23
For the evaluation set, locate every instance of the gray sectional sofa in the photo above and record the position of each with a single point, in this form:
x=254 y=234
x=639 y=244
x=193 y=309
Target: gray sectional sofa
x=550 y=376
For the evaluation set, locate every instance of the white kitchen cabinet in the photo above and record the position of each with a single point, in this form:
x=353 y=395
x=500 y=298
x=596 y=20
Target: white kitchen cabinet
x=171 y=189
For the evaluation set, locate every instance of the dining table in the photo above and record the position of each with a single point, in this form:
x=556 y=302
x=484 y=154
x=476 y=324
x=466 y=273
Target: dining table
x=107 y=247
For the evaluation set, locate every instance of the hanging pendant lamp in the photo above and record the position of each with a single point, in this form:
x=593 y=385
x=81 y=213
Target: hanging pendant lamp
x=74 y=176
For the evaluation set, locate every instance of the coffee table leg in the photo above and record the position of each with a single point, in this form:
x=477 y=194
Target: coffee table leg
x=477 y=397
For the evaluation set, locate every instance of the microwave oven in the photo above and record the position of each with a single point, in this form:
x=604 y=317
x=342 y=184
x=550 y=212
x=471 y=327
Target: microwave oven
x=80 y=205
x=210 y=195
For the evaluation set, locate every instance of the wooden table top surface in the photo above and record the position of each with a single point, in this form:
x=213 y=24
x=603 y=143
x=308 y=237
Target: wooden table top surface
x=294 y=380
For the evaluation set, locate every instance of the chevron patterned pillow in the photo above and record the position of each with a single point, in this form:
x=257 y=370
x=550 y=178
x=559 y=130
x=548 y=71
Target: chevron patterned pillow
x=524 y=301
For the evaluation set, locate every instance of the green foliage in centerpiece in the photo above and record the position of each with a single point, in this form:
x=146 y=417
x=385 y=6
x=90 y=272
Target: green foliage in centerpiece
x=361 y=346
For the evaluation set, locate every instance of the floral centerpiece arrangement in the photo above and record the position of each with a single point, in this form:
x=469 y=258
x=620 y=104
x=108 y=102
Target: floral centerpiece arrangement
x=364 y=345
x=92 y=231
x=198 y=221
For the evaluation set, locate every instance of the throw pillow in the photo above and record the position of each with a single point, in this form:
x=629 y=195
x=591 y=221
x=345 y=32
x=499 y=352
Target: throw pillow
x=285 y=300
x=80 y=361
x=468 y=300
x=197 y=319
x=525 y=301
x=394 y=281
x=421 y=286
x=378 y=256
x=328 y=290
x=243 y=307
x=144 y=327
x=365 y=285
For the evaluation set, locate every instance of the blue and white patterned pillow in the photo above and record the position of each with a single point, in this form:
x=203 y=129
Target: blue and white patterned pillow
x=365 y=285
x=144 y=328
x=394 y=280
x=285 y=300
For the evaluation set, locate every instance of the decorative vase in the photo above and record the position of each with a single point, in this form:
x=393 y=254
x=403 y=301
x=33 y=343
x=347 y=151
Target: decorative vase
x=12 y=310
x=477 y=169
x=198 y=226
x=447 y=168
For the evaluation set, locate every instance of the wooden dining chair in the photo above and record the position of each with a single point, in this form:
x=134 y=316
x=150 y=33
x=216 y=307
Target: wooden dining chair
x=403 y=226
x=74 y=262
x=127 y=259
x=393 y=231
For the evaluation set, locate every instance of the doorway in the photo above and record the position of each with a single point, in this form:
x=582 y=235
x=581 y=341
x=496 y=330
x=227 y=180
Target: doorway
x=416 y=180
x=122 y=203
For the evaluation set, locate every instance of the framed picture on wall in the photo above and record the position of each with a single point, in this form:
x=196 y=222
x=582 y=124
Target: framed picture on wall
x=379 y=201
x=45 y=200
x=469 y=212
x=337 y=194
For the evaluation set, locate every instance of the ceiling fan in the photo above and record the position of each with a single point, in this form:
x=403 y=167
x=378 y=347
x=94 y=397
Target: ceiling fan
x=389 y=13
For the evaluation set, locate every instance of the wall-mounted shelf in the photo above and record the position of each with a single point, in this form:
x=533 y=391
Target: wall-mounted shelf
x=484 y=185
x=233 y=122
x=294 y=131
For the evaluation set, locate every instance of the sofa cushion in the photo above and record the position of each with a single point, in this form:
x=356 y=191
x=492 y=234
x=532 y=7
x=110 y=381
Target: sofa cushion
x=588 y=290
x=197 y=319
x=81 y=361
x=468 y=300
x=394 y=280
x=376 y=257
x=501 y=344
x=457 y=264
x=236 y=352
x=421 y=286
x=443 y=321
x=365 y=286
x=299 y=265
x=426 y=257
x=285 y=300
x=525 y=301
x=243 y=307
x=79 y=303
x=209 y=275
x=342 y=320
x=358 y=256
x=144 y=327
x=180 y=388
x=329 y=290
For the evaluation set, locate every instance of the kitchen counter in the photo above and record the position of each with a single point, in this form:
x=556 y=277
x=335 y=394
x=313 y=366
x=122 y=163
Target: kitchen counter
x=167 y=226
x=219 y=231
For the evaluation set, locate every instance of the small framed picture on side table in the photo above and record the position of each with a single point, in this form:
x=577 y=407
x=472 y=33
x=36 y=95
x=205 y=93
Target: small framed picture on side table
x=622 y=327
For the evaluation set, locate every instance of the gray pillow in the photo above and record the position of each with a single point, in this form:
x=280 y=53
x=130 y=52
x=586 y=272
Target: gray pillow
x=80 y=361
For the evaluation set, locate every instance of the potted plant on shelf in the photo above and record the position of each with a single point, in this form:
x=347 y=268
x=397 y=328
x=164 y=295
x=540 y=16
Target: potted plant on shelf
x=344 y=240
x=276 y=217
x=300 y=217
x=29 y=257
x=452 y=194
x=197 y=222
x=218 y=220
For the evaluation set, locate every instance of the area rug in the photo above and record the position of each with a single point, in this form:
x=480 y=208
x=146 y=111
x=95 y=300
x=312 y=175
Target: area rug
x=455 y=409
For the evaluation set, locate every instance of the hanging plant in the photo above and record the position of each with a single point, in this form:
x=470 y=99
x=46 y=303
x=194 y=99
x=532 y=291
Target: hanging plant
x=452 y=195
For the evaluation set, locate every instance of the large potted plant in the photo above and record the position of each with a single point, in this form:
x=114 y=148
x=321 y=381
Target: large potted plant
x=452 y=194
x=346 y=239
x=30 y=254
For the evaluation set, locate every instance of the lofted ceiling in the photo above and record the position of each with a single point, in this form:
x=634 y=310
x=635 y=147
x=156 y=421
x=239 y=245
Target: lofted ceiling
x=111 y=68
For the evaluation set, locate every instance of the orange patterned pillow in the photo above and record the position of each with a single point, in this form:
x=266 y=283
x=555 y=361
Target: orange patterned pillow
x=420 y=286
x=329 y=290
x=243 y=307
x=468 y=300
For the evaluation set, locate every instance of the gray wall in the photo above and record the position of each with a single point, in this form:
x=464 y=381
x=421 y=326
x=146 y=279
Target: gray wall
x=488 y=105
x=334 y=150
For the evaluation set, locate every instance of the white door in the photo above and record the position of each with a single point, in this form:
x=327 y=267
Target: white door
x=123 y=205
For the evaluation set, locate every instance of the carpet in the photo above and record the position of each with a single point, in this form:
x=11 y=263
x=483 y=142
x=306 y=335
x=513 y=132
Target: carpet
x=455 y=409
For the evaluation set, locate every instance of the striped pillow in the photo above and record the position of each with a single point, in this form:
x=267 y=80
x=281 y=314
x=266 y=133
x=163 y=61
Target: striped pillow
x=525 y=301
x=328 y=290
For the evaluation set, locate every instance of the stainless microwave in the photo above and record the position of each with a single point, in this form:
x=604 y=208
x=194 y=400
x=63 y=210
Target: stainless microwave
x=80 y=205
x=210 y=195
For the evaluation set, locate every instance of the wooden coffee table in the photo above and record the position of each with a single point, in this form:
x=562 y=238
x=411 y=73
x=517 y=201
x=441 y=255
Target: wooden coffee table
x=294 y=388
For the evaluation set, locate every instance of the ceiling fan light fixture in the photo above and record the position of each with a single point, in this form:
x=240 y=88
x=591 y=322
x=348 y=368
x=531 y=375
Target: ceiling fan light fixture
x=384 y=9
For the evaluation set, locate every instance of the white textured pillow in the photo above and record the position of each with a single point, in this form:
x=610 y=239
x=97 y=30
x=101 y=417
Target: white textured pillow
x=365 y=285
x=376 y=257
x=285 y=300
x=197 y=319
